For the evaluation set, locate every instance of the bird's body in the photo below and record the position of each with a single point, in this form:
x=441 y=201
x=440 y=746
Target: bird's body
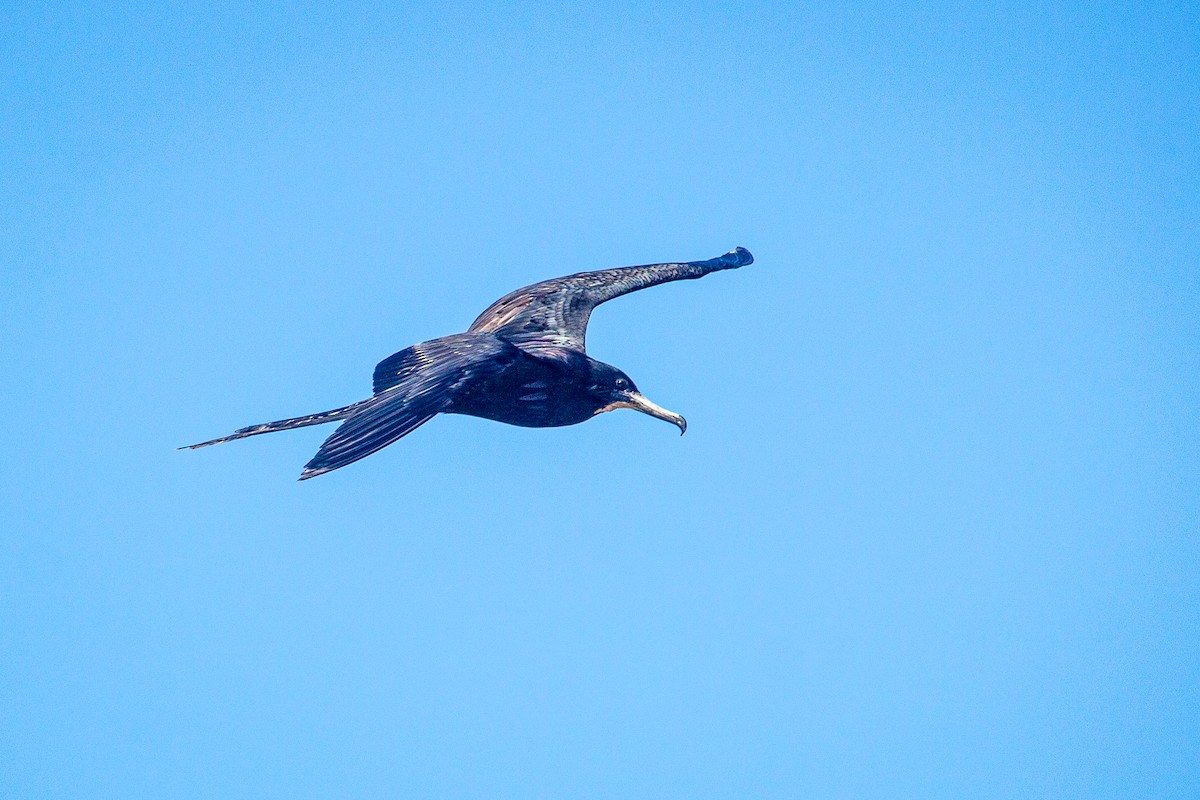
x=521 y=362
x=533 y=391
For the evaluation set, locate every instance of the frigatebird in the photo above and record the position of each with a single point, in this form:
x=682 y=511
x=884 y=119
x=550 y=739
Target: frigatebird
x=522 y=361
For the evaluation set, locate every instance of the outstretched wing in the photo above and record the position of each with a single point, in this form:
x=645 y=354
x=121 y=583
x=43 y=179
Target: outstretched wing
x=555 y=313
x=410 y=388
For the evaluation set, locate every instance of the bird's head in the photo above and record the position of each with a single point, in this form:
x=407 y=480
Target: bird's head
x=612 y=389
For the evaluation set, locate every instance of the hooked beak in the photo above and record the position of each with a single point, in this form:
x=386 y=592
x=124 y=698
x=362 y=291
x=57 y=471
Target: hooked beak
x=639 y=402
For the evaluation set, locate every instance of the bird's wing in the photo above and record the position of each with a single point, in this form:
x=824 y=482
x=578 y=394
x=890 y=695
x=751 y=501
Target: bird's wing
x=555 y=313
x=410 y=388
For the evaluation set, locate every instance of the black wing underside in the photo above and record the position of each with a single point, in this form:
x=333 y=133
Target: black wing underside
x=410 y=388
x=555 y=313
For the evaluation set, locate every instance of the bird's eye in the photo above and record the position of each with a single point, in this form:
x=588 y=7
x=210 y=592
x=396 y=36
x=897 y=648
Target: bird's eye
x=622 y=384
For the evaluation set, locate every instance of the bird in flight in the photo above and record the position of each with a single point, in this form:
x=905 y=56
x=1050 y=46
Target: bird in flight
x=522 y=361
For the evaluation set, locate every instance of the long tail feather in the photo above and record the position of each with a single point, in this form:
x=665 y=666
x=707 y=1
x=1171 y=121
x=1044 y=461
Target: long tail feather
x=282 y=425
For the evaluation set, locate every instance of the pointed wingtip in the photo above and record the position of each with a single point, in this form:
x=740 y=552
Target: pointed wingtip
x=311 y=471
x=737 y=257
x=741 y=256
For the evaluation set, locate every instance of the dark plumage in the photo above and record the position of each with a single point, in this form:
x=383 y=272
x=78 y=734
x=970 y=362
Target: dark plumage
x=522 y=361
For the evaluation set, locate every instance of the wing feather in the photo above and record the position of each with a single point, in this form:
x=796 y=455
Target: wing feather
x=555 y=313
x=411 y=387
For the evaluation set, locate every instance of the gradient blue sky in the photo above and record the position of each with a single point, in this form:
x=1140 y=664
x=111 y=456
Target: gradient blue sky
x=933 y=529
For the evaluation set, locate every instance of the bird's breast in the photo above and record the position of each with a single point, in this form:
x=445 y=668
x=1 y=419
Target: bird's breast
x=530 y=393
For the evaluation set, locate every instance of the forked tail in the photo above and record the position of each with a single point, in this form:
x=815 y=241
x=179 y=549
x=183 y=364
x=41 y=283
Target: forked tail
x=283 y=425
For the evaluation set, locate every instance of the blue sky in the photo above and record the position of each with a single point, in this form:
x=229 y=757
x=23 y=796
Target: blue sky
x=932 y=531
